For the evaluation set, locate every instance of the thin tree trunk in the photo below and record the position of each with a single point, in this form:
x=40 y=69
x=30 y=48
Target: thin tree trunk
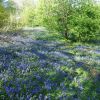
x=65 y=34
x=65 y=31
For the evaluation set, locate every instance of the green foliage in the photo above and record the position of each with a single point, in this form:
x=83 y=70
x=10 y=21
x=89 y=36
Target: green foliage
x=27 y=14
x=85 y=26
x=3 y=16
x=55 y=14
x=8 y=20
x=76 y=20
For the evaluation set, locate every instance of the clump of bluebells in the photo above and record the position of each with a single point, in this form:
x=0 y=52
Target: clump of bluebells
x=26 y=74
x=43 y=85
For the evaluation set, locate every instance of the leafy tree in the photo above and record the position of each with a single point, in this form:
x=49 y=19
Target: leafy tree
x=27 y=13
x=85 y=23
x=56 y=14
x=77 y=20
x=3 y=15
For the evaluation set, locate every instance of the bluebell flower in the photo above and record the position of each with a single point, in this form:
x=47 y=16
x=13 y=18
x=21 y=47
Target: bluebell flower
x=79 y=64
x=38 y=77
x=10 y=89
x=47 y=85
x=63 y=87
x=70 y=77
x=63 y=97
x=49 y=96
x=41 y=97
x=7 y=91
x=81 y=87
x=97 y=51
x=65 y=74
x=54 y=84
x=98 y=90
x=36 y=90
x=22 y=65
x=28 y=97
x=5 y=65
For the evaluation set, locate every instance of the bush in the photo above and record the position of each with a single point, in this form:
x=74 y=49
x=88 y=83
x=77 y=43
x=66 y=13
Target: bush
x=85 y=26
x=3 y=16
x=77 y=22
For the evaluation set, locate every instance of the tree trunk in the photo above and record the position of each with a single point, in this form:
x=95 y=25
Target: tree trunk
x=65 y=31
x=65 y=34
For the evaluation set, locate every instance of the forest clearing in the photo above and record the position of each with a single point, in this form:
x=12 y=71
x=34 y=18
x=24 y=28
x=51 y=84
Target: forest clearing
x=49 y=50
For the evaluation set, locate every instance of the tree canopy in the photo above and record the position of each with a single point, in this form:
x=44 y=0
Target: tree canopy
x=77 y=20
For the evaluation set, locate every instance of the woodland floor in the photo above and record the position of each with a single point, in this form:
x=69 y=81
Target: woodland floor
x=49 y=67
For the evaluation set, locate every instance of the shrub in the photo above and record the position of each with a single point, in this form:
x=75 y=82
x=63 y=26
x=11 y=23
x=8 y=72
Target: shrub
x=85 y=26
x=3 y=16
